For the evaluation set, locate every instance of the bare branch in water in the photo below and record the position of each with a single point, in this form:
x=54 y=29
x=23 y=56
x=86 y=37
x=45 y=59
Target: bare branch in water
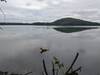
x=45 y=69
x=53 y=69
x=72 y=63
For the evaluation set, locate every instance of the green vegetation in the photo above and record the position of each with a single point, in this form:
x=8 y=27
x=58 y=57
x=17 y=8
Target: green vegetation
x=70 y=30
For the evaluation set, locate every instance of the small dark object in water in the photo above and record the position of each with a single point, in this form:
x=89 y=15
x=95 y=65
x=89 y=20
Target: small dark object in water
x=43 y=50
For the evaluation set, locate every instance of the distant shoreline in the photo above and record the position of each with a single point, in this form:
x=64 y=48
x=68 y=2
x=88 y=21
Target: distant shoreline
x=59 y=22
x=29 y=24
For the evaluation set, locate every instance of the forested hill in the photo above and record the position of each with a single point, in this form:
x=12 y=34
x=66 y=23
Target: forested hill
x=60 y=22
x=69 y=22
x=73 y=22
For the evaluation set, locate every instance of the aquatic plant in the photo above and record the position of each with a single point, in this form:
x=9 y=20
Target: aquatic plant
x=57 y=65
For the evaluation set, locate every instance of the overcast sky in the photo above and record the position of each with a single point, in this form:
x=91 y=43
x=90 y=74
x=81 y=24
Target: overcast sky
x=49 y=10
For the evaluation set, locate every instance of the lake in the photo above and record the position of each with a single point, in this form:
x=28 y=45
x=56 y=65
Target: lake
x=20 y=48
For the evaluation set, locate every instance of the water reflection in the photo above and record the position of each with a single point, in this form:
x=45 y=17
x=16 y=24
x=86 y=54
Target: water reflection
x=19 y=48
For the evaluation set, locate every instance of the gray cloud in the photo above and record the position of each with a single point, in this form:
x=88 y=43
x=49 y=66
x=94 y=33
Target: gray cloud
x=88 y=14
x=49 y=10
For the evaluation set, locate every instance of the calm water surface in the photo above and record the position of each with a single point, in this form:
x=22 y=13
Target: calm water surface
x=20 y=46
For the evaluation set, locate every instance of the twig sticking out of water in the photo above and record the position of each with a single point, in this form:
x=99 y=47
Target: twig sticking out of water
x=72 y=64
x=44 y=66
x=53 y=69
